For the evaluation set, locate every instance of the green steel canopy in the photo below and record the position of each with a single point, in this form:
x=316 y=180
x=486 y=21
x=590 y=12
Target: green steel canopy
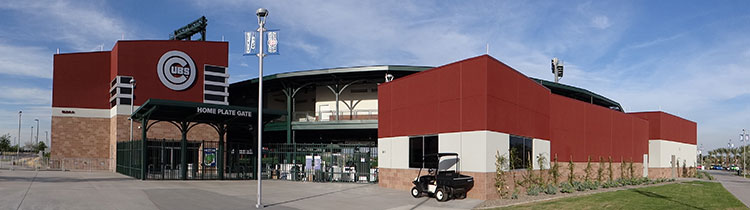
x=185 y=115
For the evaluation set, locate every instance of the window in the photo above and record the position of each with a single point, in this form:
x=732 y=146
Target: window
x=420 y=146
x=216 y=88
x=125 y=90
x=520 y=152
x=215 y=78
x=125 y=101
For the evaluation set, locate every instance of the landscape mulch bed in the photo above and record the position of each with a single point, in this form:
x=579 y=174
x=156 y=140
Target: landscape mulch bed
x=524 y=199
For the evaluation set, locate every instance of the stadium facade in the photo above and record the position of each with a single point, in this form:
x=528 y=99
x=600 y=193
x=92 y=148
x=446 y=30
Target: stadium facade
x=477 y=108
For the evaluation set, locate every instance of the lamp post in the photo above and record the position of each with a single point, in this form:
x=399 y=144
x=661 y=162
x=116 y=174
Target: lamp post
x=262 y=13
x=31 y=136
x=18 y=146
x=744 y=137
x=36 y=140
x=132 y=103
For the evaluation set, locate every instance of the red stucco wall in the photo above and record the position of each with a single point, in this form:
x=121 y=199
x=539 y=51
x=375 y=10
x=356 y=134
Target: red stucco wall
x=482 y=93
x=665 y=126
x=81 y=80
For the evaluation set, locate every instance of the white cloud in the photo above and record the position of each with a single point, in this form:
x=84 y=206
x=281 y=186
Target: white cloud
x=25 y=61
x=82 y=26
x=601 y=22
x=24 y=95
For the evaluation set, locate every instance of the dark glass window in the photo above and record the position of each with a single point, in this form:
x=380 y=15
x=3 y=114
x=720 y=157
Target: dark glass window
x=125 y=101
x=125 y=90
x=215 y=69
x=214 y=78
x=214 y=97
x=125 y=80
x=520 y=151
x=215 y=88
x=420 y=146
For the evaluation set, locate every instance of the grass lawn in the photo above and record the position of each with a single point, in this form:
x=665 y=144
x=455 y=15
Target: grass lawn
x=687 y=195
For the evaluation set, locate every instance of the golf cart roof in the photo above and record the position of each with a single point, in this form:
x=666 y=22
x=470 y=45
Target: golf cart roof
x=441 y=154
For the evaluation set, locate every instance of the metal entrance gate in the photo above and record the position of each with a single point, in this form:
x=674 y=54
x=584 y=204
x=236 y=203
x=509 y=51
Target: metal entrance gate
x=321 y=162
x=293 y=162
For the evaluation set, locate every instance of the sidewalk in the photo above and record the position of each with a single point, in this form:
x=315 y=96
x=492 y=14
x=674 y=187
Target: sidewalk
x=738 y=186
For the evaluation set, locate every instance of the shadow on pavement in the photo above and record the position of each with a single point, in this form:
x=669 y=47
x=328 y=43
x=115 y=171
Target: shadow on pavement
x=315 y=196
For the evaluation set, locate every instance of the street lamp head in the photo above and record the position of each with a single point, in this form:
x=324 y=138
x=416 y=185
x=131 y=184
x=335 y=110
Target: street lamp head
x=132 y=81
x=261 y=12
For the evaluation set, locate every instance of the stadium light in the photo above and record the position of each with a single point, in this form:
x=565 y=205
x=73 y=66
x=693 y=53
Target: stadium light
x=557 y=69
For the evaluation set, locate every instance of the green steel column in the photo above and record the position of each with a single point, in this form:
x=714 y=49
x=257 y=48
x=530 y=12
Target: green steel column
x=183 y=152
x=289 y=113
x=220 y=154
x=144 y=148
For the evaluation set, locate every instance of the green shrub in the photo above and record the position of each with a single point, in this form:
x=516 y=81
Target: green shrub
x=579 y=186
x=589 y=185
x=534 y=190
x=515 y=194
x=566 y=187
x=551 y=190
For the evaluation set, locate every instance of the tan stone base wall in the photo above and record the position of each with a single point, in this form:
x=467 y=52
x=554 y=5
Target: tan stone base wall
x=79 y=137
x=484 y=183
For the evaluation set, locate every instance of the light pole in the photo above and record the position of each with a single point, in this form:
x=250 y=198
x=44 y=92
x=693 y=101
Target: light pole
x=31 y=137
x=132 y=103
x=744 y=137
x=36 y=140
x=18 y=146
x=262 y=13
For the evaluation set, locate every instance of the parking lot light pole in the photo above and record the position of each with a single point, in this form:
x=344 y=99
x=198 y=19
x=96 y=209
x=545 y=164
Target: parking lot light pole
x=744 y=137
x=18 y=146
x=262 y=13
x=36 y=139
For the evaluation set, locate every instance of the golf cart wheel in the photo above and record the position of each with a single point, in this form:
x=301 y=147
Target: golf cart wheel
x=415 y=192
x=461 y=196
x=441 y=195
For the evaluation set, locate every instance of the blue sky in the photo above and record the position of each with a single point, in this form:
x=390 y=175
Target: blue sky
x=689 y=58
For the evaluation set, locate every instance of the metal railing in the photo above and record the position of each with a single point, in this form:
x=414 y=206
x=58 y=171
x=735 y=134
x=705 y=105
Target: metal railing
x=32 y=161
x=323 y=116
x=321 y=162
x=294 y=162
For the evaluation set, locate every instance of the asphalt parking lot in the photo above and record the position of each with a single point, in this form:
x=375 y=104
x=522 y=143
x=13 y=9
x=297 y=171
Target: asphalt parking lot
x=105 y=190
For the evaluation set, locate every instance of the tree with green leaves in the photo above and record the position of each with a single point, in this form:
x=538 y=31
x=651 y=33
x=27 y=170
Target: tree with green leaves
x=501 y=165
x=5 y=143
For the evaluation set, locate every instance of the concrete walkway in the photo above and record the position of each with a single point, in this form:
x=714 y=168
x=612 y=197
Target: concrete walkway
x=738 y=186
x=104 y=190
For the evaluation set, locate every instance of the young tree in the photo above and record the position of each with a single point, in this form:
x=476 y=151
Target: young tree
x=588 y=169
x=600 y=170
x=501 y=165
x=5 y=143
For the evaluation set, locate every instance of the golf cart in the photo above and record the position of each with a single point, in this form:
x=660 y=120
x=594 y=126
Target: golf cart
x=443 y=184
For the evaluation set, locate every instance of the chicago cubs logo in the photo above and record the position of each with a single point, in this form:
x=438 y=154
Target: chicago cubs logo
x=176 y=70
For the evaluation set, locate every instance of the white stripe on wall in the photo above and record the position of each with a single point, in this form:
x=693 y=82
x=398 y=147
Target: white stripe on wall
x=660 y=153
